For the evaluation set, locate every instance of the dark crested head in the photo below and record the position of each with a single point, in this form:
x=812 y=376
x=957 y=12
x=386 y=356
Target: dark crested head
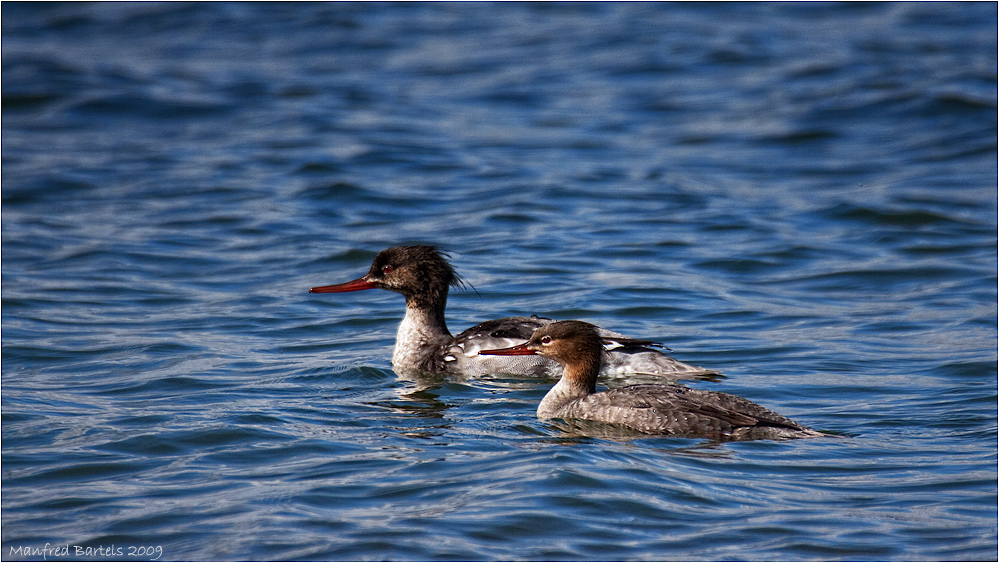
x=413 y=270
x=421 y=273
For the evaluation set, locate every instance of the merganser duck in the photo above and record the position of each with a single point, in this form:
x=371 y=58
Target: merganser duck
x=651 y=408
x=423 y=343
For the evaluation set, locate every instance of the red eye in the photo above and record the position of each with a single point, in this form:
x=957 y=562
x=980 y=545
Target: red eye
x=546 y=339
x=386 y=269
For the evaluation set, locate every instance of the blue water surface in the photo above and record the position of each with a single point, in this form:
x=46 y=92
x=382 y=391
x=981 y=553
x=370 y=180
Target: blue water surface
x=802 y=196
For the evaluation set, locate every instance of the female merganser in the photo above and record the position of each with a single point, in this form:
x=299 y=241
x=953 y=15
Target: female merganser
x=650 y=408
x=423 y=342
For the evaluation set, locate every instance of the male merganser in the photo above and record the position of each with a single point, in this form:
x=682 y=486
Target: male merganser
x=651 y=408
x=423 y=342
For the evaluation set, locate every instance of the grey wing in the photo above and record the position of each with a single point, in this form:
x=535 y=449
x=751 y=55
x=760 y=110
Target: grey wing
x=731 y=409
x=652 y=409
x=733 y=405
x=676 y=410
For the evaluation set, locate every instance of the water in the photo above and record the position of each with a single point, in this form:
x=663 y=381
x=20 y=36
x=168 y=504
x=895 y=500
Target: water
x=801 y=196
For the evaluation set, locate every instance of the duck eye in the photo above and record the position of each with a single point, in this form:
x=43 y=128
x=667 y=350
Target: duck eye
x=386 y=268
x=546 y=340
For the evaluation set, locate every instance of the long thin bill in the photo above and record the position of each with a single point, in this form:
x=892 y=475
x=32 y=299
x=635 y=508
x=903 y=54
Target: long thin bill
x=518 y=350
x=356 y=285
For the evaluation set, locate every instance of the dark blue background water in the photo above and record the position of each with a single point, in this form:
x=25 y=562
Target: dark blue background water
x=802 y=196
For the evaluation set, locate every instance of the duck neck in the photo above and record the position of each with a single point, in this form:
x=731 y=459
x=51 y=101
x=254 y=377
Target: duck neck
x=578 y=381
x=420 y=333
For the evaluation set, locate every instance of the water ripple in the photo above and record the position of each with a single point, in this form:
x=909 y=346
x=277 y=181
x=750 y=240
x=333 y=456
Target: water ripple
x=801 y=196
